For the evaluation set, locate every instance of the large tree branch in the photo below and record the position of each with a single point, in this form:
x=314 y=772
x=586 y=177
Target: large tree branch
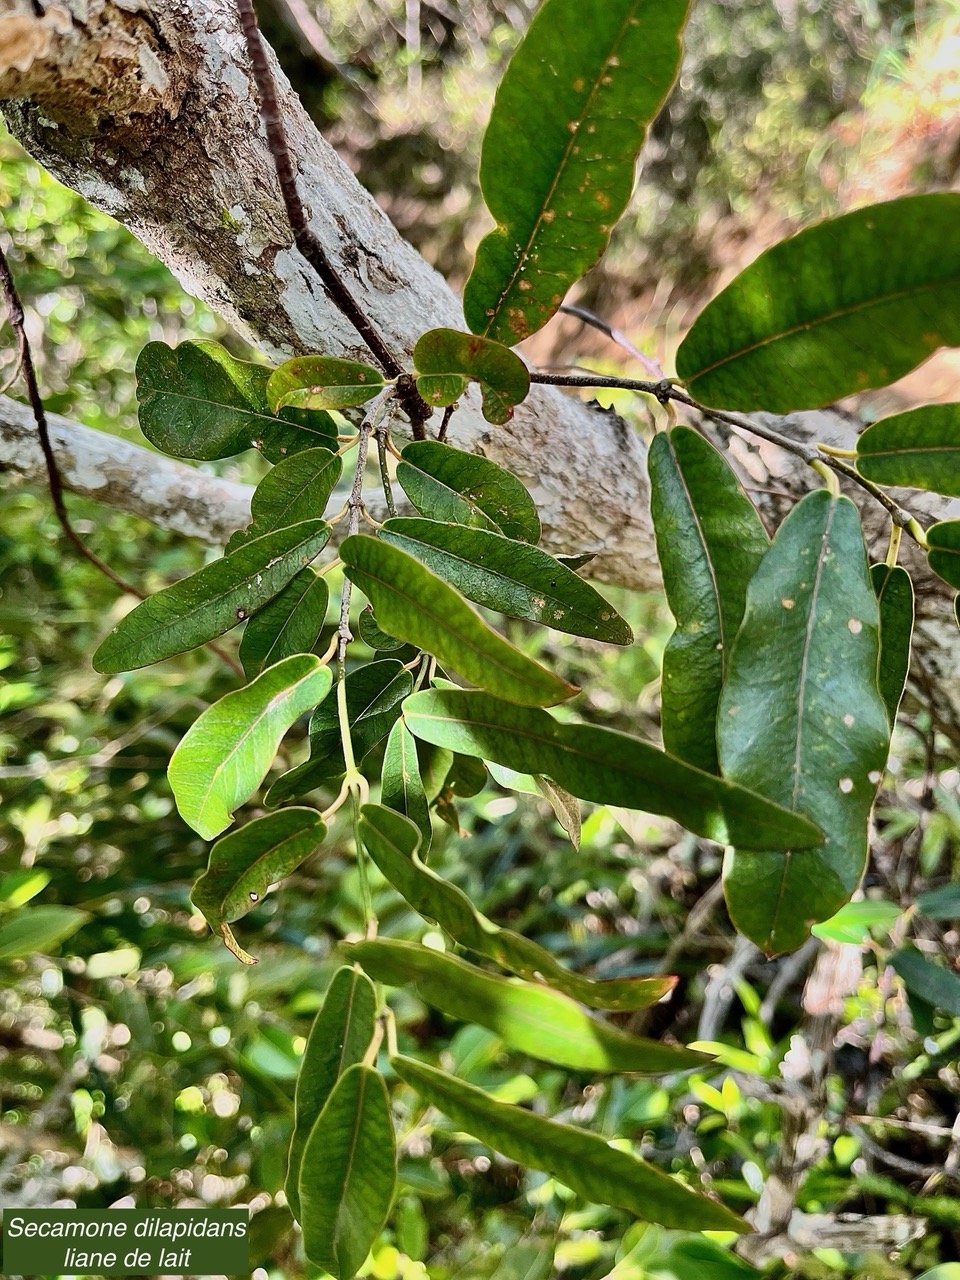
x=149 y=112
x=109 y=469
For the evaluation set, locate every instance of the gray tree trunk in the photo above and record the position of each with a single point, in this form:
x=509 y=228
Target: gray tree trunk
x=149 y=111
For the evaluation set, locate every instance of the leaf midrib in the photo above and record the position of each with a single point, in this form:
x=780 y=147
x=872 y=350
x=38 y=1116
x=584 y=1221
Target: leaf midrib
x=838 y=313
x=549 y=681
x=575 y=137
x=275 y=704
x=567 y=608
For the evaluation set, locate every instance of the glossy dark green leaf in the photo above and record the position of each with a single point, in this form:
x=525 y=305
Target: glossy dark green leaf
x=944 y=553
x=895 y=596
x=227 y=752
x=584 y=1161
x=415 y=605
x=802 y=721
x=529 y=1017
x=30 y=930
x=851 y=303
x=392 y=842
x=197 y=401
x=919 y=449
x=710 y=540
x=211 y=601
x=401 y=786
x=322 y=382
x=339 y=1038
x=374 y=693
x=603 y=765
x=512 y=577
x=447 y=484
x=933 y=983
x=295 y=430
x=348 y=1175
x=295 y=490
x=290 y=623
x=245 y=863
x=558 y=159
x=446 y=361
x=466 y=776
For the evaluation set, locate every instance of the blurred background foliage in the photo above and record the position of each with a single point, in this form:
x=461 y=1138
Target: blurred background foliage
x=138 y=1060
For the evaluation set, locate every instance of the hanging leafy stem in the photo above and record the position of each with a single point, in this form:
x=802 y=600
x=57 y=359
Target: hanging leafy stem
x=780 y=685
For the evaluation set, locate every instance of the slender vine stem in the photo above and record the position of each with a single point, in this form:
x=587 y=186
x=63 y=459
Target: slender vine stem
x=54 y=481
x=304 y=238
x=817 y=456
x=355 y=506
x=445 y=421
x=384 y=471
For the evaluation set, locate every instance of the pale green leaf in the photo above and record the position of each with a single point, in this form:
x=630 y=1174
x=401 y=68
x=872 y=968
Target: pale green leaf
x=584 y=1161
x=227 y=752
x=31 y=930
x=392 y=842
x=415 y=605
x=604 y=766
x=529 y=1017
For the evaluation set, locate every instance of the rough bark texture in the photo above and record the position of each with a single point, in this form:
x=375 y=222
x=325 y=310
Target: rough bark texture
x=150 y=113
x=96 y=465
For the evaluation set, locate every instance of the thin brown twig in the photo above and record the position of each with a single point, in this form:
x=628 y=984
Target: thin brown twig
x=445 y=421
x=615 y=335
x=304 y=238
x=665 y=392
x=901 y=1163
x=54 y=481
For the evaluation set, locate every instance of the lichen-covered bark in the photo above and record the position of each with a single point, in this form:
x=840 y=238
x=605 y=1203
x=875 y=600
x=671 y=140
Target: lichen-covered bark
x=149 y=112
